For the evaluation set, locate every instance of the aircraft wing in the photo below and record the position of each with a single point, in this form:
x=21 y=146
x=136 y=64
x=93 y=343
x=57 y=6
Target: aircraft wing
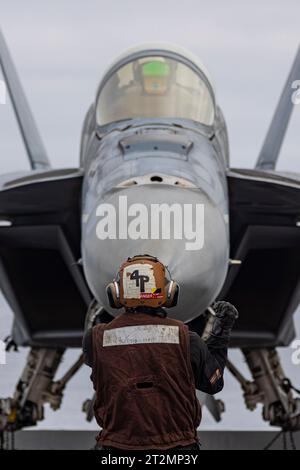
x=40 y=233
x=39 y=252
x=265 y=236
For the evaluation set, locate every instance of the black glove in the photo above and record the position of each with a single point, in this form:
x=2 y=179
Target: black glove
x=226 y=315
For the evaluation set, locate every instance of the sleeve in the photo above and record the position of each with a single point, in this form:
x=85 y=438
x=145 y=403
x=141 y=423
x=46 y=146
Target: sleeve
x=87 y=347
x=208 y=365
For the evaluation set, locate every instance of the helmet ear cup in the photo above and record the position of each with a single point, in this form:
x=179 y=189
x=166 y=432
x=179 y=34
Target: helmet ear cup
x=172 y=294
x=113 y=294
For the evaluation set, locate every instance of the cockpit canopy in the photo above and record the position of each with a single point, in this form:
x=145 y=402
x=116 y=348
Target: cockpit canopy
x=162 y=85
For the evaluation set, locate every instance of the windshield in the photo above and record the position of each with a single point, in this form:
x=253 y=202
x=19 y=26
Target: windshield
x=155 y=87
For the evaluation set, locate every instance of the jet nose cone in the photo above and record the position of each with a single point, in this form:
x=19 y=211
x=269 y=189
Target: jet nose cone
x=180 y=226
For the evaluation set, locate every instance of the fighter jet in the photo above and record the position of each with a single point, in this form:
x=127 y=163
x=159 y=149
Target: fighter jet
x=153 y=177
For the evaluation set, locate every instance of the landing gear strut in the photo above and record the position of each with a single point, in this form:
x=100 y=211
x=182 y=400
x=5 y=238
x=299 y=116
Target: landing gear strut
x=269 y=387
x=35 y=388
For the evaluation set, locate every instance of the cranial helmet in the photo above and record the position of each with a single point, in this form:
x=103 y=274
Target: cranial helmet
x=141 y=281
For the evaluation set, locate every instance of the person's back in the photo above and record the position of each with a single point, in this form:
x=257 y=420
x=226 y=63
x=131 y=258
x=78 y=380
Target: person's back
x=145 y=387
x=146 y=367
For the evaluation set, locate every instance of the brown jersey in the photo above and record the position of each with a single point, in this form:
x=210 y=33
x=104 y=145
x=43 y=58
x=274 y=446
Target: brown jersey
x=142 y=374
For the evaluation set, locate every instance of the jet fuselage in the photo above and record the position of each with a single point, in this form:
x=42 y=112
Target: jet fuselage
x=157 y=185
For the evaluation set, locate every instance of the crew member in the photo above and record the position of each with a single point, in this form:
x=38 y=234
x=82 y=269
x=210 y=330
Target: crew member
x=146 y=366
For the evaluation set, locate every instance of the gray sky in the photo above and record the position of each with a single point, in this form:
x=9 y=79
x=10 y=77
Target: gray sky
x=62 y=47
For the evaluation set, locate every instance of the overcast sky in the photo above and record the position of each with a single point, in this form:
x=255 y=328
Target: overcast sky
x=62 y=47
